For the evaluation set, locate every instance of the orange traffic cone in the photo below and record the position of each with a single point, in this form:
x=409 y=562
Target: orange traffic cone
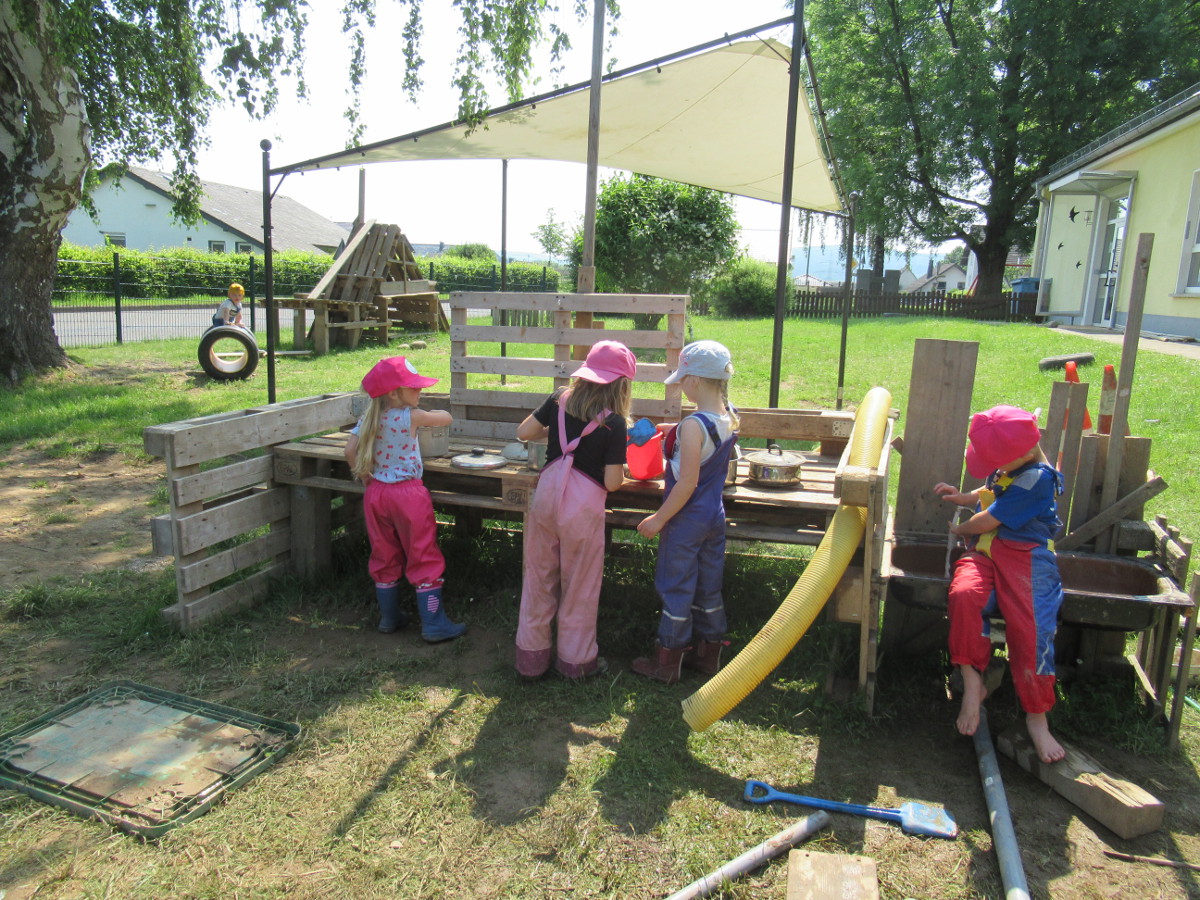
x=1073 y=377
x=1108 y=401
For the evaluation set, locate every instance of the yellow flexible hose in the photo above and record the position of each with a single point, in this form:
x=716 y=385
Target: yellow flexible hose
x=796 y=613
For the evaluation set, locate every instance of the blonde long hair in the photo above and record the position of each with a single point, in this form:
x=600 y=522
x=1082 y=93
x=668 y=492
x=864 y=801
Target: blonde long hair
x=721 y=386
x=588 y=399
x=368 y=430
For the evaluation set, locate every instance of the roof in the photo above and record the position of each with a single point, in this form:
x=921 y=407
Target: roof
x=293 y=225
x=715 y=118
x=1169 y=111
x=943 y=269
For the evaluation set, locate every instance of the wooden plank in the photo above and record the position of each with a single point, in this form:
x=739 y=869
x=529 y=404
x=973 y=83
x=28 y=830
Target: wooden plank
x=1122 y=806
x=221 y=565
x=619 y=304
x=234 y=597
x=527 y=401
x=199 y=440
x=162 y=540
x=1113 y=514
x=211 y=526
x=529 y=334
x=1182 y=675
x=412 y=286
x=351 y=245
x=831 y=876
x=795 y=424
x=541 y=368
x=935 y=432
x=1086 y=493
x=225 y=480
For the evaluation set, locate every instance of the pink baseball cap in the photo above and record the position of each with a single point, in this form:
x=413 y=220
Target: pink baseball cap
x=998 y=436
x=606 y=362
x=391 y=373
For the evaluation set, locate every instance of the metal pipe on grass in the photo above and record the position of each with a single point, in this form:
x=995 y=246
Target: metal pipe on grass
x=754 y=857
x=1012 y=873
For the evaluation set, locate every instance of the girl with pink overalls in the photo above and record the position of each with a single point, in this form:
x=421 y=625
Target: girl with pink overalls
x=586 y=428
x=384 y=454
x=691 y=521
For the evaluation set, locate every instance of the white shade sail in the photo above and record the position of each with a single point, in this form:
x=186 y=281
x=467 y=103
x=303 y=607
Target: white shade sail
x=716 y=119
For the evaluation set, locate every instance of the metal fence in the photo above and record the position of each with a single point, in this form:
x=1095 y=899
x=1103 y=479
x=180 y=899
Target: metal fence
x=97 y=303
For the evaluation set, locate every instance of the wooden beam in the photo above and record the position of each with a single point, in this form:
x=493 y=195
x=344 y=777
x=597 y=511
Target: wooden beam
x=1114 y=513
x=831 y=876
x=1121 y=805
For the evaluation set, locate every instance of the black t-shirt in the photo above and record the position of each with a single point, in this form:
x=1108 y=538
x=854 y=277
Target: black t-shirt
x=605 y=446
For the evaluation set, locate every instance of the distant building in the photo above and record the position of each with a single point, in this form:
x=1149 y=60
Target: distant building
x=135 y=212
x=947 y=276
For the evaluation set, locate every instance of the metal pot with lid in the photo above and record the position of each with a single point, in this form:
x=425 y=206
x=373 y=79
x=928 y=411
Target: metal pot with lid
x=774 y=467
x=478 y=458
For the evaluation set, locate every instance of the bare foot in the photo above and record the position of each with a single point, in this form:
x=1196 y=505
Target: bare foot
x=1049 y=750
x=974 y=692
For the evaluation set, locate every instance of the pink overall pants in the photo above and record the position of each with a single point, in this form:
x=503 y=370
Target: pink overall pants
x=403 y=534
x=564 y=567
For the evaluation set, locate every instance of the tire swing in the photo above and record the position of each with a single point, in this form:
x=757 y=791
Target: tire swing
x=228 y=353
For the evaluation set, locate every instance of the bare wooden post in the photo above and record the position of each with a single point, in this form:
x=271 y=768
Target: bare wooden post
x=1120 y=422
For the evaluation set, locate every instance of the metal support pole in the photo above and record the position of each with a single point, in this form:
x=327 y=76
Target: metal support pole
x=503 y=253
x=846 y=295
x=586 y=281
x=116 y=283
x=268 y=272
x=784 y=263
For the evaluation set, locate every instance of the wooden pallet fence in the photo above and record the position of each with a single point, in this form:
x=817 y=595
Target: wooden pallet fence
x=827 y=304
x=482 y=409
x=229 y=525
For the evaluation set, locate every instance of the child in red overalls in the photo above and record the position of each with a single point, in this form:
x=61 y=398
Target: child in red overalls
x=384 y=454
x=564 y=530
x=691 y=520
x=1010 y=567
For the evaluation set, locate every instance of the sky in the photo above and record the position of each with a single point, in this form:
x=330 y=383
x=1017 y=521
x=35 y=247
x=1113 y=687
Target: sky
x=460 y=201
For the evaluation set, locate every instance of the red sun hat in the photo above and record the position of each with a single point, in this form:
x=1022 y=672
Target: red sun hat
x=998 y=436
x=391 y=373
x=606 y=362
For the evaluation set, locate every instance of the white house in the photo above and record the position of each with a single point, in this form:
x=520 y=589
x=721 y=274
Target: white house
x=135 y=211
x=948 y=276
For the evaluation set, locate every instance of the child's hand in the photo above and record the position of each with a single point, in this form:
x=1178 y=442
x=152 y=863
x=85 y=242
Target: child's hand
x=951 y=494
x=650 y=526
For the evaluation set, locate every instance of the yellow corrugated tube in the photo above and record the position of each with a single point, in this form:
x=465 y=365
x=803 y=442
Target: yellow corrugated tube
x=796 y=613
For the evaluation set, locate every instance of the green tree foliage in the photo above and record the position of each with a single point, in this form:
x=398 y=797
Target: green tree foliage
x=473 y=251
x=660 y=237
x=552 y=237
x=943 y=115
x=745 y=288
x=86 y=85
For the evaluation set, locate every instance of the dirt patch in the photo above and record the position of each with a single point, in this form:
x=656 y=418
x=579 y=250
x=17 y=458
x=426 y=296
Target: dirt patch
x=66 y=517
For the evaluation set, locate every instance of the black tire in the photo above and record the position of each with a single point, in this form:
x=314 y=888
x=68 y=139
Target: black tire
x=228 y=353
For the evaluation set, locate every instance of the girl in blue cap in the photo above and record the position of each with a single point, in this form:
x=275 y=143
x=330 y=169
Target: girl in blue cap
x=691 y=520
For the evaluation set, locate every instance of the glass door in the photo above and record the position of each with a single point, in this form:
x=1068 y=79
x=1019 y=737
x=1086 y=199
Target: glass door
x=1108 y=275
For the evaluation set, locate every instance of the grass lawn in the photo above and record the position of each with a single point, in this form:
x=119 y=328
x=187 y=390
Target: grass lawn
x=431 y=771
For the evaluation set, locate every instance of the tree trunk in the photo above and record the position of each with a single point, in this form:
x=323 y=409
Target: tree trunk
x=43 y=158
x=991 y=254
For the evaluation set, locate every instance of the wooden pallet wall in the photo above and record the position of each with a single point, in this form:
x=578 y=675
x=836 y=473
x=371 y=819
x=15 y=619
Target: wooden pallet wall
x=222 y=497
x=495 y=412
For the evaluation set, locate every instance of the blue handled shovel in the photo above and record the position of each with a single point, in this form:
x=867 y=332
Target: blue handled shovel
x=914 y=818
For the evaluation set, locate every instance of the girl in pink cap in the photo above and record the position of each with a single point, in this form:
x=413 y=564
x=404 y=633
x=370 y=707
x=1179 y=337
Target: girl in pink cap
x=564 y=529
x=1009 y=567
x=397 y=507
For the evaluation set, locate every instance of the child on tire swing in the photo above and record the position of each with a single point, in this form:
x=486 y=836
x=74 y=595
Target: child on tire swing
x=230 y=310
x=691 y=520
x=383 y=454
x=1010 y=566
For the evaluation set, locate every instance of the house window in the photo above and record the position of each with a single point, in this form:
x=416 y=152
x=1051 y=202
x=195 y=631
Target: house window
x=114 y=238
x=243 y=247
x=216 y=246
x=1189 y=266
